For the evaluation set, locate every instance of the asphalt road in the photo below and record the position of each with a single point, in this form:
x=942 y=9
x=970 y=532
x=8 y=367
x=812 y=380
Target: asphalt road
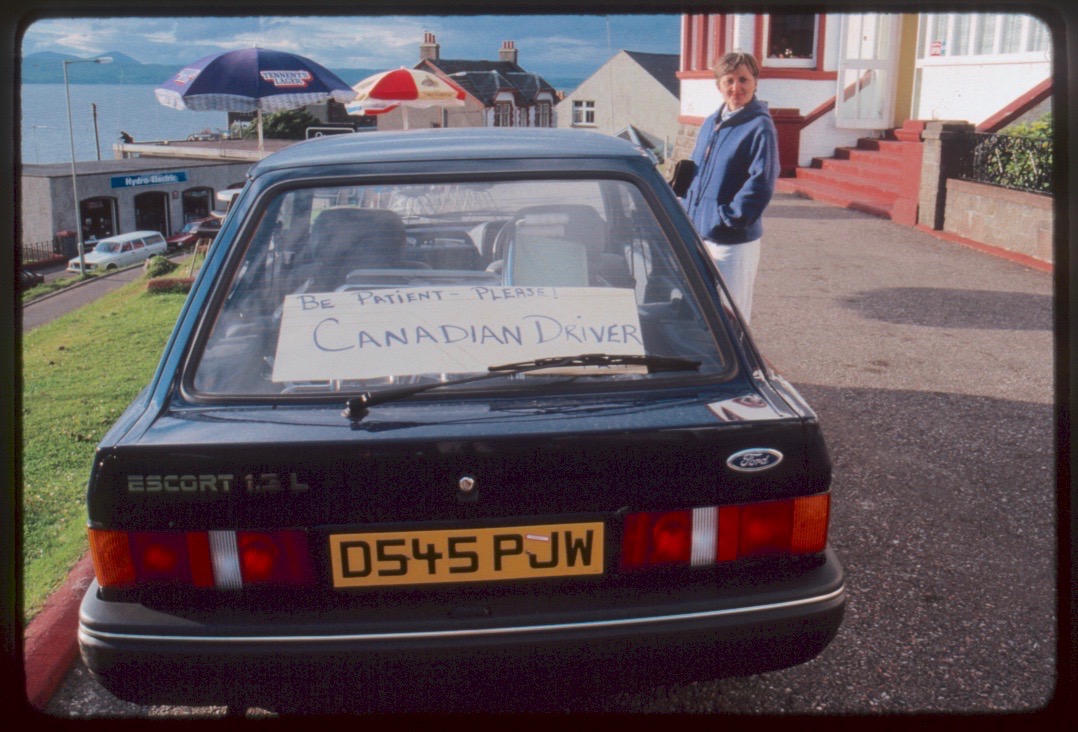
x=41 y=311
x=931 y=368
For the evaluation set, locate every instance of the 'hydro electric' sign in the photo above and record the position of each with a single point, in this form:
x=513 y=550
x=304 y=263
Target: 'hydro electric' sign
x=148 y=179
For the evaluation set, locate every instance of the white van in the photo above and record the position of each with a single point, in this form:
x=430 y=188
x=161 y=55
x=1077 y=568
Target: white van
x=121 y=250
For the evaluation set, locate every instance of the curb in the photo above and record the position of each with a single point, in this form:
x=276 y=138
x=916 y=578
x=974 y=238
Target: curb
x=50 y=642
x=96 y=278
x=1013 y=256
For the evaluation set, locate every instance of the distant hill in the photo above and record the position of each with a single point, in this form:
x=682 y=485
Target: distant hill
x=46 y=67
x=118 y=57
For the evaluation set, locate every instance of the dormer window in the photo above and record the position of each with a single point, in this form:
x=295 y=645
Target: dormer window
x=543 y=116
x=503 y=114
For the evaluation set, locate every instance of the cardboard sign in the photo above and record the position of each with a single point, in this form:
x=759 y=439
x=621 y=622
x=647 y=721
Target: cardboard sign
x=373 y=333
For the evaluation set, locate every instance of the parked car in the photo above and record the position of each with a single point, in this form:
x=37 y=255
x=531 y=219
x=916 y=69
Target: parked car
x=192 y=231
x=29 y=278
x=468 y=410
x=120 y=251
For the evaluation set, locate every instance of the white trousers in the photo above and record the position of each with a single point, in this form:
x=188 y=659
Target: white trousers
x=738 y=264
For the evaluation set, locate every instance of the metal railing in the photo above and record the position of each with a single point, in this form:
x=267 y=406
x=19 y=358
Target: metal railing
x=1010 y=161
x=37 y=251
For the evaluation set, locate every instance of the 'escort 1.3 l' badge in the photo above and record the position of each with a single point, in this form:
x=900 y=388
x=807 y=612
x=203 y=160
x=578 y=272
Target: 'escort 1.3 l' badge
x=754 y=459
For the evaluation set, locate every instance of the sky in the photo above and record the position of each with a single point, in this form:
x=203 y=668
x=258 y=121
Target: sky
x=550 y=45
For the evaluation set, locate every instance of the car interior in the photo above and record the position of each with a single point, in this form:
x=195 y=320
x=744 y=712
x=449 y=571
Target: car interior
x=355 y=239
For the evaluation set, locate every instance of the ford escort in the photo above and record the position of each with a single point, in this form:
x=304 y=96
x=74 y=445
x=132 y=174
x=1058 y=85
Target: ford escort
x=466 y=409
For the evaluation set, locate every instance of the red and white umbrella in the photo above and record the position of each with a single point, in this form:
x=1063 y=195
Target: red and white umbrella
x=385 y=91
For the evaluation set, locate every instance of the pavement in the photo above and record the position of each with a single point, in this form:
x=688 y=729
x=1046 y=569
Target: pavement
x=50 y=640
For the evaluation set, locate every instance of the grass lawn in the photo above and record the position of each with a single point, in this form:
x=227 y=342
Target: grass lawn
x=79 y=374
x=51 y=286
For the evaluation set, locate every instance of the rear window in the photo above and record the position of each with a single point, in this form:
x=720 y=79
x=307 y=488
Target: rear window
x=351 y=288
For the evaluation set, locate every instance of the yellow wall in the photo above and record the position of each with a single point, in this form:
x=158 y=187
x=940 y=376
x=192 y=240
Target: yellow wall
x=907 y=63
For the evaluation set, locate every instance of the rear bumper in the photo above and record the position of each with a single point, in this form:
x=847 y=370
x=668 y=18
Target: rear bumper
x=148 y=657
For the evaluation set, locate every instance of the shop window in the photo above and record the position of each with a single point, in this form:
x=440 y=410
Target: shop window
x=151 y=211
x=98 y=218
x=790 y=41
x=583 y=112
x=197 y=203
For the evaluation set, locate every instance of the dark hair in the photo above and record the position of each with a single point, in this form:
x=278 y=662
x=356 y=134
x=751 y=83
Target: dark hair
x=732 y=60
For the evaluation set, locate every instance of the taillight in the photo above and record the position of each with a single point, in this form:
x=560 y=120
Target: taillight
x=705 y=536
x=221 y=559
x=671 y=537
x=111 y=553
x=160 y=556
x=278 y=557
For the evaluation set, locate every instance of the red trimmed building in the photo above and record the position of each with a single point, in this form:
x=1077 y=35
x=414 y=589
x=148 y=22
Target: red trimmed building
x=852 y=94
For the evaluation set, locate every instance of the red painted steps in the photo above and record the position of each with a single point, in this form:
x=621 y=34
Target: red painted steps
x=881 y=177
x=837 y=195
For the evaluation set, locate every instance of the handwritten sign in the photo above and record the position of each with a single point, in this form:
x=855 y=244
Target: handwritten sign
x=367 y=334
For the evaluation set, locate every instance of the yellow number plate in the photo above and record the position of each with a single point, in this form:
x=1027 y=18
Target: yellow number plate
x=466 y=555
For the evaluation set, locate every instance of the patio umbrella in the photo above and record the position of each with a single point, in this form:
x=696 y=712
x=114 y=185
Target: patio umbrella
x=252 y=80
x=405 y=88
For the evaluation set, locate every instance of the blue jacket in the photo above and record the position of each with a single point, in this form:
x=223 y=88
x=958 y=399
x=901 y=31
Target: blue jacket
x=737 y=166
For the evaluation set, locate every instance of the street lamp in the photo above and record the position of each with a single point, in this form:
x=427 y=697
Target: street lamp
x=71 y=136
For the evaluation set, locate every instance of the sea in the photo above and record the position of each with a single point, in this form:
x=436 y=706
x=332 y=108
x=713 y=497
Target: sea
x=100 y=112
x=131 y=108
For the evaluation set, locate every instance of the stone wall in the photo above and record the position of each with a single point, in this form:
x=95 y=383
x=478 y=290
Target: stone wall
x=1013 y=220
x=683 y=145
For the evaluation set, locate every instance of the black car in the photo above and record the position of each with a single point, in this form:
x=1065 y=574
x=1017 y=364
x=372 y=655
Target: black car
x=29 y=278
x=456 y=413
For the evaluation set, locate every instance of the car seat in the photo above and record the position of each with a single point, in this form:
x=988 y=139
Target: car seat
x=347 y=239
x=560 y=223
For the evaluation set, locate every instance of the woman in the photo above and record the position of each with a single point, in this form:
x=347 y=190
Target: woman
x=737 y=162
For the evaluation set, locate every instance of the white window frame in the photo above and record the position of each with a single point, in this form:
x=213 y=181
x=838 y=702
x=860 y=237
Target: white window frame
x=790 y=63
x=543 y=114
x=582 y=110
x=503 y=114
x=977 y=24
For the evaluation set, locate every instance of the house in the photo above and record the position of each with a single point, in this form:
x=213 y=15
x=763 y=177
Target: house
x=633 y=95
x=831 y=79
x=864 y=103
x=500 y=93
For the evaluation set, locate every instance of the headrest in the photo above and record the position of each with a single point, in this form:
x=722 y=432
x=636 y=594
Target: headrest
x=363 y=237
x=572 y=222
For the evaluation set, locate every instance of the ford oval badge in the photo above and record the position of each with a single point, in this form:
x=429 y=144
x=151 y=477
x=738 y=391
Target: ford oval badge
x=754 y=459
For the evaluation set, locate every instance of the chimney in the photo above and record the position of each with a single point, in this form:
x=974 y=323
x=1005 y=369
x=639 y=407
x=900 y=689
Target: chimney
x=507 y=52
x=428 y=49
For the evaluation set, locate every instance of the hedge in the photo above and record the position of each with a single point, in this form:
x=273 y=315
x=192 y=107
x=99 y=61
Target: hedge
x=170 y=284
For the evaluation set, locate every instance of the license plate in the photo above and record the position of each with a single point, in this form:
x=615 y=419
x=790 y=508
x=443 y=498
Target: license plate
x=466 y=555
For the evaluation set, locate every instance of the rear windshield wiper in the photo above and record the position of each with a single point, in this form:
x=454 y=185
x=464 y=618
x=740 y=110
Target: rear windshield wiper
x=357 y=406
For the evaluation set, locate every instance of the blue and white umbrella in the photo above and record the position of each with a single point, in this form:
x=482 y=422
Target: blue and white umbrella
x=252 y=80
